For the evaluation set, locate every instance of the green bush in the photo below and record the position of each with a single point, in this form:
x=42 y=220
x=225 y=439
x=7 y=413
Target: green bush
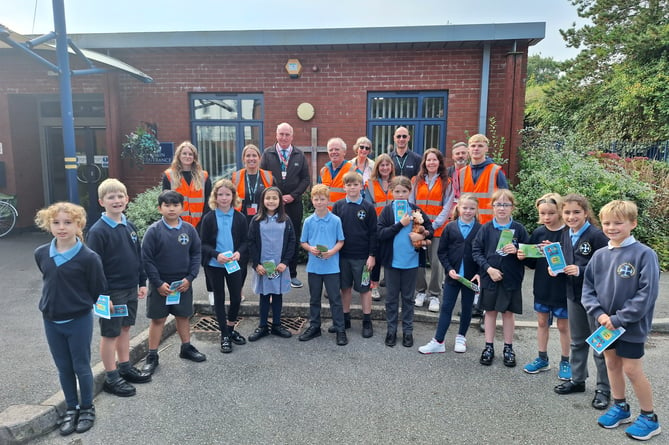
x=551 y=163
x=143 y=210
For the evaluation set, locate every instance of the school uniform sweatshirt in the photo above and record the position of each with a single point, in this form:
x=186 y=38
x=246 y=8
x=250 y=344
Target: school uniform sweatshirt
x=358 y=222
x=623 y=283
x=579 y=254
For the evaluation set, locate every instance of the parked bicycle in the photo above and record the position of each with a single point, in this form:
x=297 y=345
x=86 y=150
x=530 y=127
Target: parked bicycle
x=8 y=215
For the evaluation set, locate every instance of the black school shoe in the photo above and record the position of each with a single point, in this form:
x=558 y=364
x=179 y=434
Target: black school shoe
x=509 y=357
x=68 y=424
x=407 y=340
x=280 y=331
x=342 y=340
x=391 y=339
x=602 y=399
x=367 y=329
x=119 y=387
x=569 y=387
x=311 y=333
x=226 y=345
x=260 y=332
x=191 y=353
x=150 y=364
x=237 y=338
x=86 y=419
x=487 y=355
x=134 y=375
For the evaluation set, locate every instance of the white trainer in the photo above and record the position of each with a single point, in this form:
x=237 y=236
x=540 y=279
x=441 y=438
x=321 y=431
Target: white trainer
x=460 y=344
x=420 y=299
x=434 y=304
x=376 y=296
x=433 y=347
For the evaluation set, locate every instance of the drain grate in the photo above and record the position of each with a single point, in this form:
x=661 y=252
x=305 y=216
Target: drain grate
x=209 y=324
x=293 y=324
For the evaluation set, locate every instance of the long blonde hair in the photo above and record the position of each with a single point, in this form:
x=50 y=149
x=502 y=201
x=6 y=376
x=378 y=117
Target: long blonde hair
x=196 y=170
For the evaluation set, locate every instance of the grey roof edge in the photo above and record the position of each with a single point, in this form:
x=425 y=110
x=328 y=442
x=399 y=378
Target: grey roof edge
x=532 y=32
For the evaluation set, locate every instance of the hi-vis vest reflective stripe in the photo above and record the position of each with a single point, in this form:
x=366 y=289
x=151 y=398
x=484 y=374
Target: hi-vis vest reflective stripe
x=482 y=190
x=238 y=178
x=336 y=184
x=431 y=201
x=193 y=199
x=379 y=196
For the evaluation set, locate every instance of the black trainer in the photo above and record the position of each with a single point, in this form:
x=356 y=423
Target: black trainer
x=119 y=387
x=191 y=353
x=311 y=333
x=237 y=338
x=487 y=355
x=134 y=375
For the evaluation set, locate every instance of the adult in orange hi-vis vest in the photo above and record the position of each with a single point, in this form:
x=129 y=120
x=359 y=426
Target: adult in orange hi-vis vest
x=251 y=181
x=332 y=173
x=433 y=193
x=187 y=177
x=482 y=176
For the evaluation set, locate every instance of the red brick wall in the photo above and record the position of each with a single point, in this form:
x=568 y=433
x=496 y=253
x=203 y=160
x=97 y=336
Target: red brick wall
x=338 y=89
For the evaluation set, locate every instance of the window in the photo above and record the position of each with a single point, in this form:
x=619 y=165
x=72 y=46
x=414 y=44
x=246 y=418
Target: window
x=423 y=113
x=222 y=124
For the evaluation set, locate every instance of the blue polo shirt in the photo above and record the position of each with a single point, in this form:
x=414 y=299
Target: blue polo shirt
x=326 y=231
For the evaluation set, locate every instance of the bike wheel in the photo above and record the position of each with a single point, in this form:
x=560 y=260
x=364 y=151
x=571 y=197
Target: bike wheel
x=7 y=218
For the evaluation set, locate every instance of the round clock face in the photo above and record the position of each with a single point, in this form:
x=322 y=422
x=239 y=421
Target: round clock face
x=305 y=111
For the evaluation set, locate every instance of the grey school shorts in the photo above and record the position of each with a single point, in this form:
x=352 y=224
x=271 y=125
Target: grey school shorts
x=157 y=309
x=111 y=328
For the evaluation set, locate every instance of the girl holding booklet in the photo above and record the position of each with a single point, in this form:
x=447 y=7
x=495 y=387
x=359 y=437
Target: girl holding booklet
x=272 y=247
x=224 y=246
x=579 y=243
x=494 y=250
x=550 y=299
x=73 y=279
x=455 y=254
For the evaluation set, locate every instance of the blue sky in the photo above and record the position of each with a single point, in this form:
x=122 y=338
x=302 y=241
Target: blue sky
x=89 y=16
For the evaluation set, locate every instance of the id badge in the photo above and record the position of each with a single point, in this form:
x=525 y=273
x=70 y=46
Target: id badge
x=283 y=175
x=252 y=210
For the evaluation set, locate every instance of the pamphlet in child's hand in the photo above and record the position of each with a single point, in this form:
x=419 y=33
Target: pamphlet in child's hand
x=602 y=338
x=469 y=284
x=269 y=266
x=101 y=307
x=401 y=209
x=232 y=266
x=531 y=250
x=506 y=237
x=120 y=310
x=364 y=279
x=555 y=257
x=174 y=297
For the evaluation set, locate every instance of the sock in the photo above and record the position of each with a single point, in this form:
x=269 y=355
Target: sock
x=366 y=317
x=112 y=375
x=124 y=366
x=508 y=346
x=185 y=345
x=650 y=414
x=622 y=403
x=564 y=358
x=153 y=352
x=543 y=355
x=491 y=345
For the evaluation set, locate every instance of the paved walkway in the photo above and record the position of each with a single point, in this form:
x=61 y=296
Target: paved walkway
x=364 y=374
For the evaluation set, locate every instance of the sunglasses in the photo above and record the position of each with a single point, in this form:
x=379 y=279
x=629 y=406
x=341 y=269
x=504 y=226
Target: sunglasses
x=364 y=147
x=401 y=136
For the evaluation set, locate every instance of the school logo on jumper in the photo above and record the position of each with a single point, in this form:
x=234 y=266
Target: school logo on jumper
x=362 y=215
x=134 y=237
x=585 y=248
x=184 y=239
x=626 y=270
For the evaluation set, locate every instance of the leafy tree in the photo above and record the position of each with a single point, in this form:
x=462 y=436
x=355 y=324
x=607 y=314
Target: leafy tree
x=618 y=85
x=542 y=70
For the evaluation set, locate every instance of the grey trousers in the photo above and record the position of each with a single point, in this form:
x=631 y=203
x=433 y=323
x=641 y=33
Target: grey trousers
x=400 y=283
x=433 y=288
x=581 y=325
x=331 y=283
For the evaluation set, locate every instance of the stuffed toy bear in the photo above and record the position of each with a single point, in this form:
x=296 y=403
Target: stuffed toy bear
x=417 y=218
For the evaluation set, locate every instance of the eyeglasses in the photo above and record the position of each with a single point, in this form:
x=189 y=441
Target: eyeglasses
x=364 y=147
x=401 y=136
x=502 y=205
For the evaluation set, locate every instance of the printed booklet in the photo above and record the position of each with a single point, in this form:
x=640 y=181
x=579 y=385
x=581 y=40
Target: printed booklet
x=602 y=338
x=174 y=297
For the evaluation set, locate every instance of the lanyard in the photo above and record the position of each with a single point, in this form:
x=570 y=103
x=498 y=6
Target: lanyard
x=401 y=165
x=282 y=158
x=252 y=190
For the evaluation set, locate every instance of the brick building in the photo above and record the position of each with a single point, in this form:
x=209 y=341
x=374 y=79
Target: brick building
x=225 y=89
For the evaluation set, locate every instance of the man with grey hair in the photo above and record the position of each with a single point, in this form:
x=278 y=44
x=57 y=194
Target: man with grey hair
x=332 y=173
x=290 y=169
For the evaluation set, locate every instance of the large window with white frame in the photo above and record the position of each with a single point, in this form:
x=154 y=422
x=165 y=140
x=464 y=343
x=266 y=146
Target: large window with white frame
x=422 y=112
x=221 y=125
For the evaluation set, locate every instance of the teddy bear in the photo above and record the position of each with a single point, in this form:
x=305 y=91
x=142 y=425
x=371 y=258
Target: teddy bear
x=417 y=218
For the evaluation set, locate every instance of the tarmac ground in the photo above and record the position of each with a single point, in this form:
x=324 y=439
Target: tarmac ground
x=285 y=391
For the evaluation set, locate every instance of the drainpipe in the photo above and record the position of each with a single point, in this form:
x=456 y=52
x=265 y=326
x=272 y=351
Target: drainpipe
x=485 y=85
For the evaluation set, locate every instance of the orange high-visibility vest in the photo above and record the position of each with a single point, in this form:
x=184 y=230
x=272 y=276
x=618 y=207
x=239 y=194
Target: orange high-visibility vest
x=336 y=184
x=380 y=197
x=194 y=200
x=482 y=190
x=239 y=179
x=431 y=201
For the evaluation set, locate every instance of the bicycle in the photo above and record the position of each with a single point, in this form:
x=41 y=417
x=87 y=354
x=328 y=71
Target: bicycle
x=8 y=215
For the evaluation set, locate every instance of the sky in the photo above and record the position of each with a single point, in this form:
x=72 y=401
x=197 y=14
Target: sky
x=95 y=16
